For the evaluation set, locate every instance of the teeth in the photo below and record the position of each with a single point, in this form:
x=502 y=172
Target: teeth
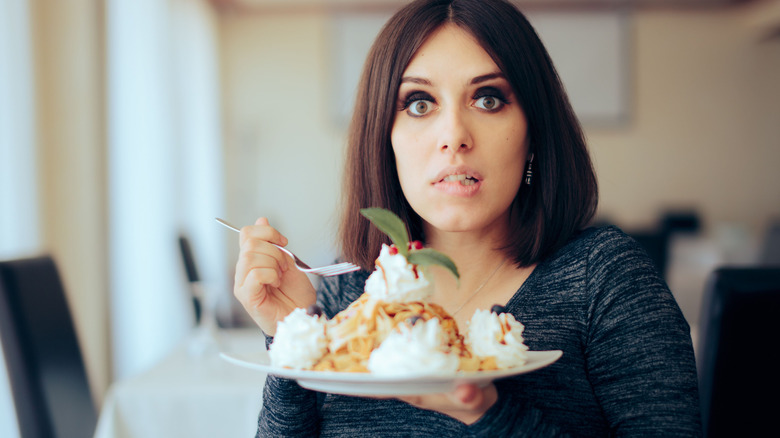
x=462 y=179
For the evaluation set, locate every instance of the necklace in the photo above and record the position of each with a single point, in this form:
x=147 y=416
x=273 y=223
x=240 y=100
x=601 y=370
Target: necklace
x=479 y=288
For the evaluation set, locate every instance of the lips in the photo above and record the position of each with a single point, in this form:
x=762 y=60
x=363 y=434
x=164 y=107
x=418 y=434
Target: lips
x=458 y=181
x=461 y=175
x=463 y=179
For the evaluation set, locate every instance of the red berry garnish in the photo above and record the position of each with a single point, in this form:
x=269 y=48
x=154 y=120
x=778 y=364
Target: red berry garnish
x=393 y=250
x=416 y=244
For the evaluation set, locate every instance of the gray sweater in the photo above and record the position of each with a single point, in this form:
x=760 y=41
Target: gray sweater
x=627 y=367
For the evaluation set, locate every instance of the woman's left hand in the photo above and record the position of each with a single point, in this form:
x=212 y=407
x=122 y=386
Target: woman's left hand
x=467 y=403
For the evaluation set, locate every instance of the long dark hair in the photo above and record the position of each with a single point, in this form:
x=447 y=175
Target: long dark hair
x=563 y=195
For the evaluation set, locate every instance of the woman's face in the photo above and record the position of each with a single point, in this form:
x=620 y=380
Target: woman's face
x=459 y=136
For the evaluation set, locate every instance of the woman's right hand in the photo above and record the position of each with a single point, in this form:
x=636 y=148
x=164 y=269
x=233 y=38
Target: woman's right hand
x=267 y=283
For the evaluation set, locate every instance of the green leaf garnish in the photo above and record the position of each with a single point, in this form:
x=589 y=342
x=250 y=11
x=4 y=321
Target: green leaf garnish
x=431 y=257
x=390 y=224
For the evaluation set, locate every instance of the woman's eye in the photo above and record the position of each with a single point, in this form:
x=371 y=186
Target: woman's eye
x=420 y=107
x=489 y=103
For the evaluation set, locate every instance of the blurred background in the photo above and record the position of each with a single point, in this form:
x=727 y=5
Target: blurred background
x=125 y=124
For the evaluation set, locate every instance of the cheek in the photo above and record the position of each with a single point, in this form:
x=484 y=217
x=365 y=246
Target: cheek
x=515 y=145
x=407 y=150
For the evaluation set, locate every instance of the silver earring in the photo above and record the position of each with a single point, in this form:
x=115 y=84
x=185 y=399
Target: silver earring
x=529 y=173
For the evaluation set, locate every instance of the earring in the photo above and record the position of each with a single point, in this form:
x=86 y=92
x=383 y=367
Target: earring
x=529 y=173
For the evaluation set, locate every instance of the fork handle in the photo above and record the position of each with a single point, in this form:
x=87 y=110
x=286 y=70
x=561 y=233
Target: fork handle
x=298 y=261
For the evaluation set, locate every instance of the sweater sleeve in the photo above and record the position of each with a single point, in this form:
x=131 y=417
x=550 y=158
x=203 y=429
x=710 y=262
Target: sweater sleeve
x=639 y=353
x=288 y=410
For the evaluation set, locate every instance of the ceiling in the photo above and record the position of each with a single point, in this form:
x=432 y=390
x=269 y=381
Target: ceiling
x=761 y=15
x=546 y=4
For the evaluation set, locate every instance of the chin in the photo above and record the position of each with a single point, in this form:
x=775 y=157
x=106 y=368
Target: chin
x=458 y=219
x=453 y=222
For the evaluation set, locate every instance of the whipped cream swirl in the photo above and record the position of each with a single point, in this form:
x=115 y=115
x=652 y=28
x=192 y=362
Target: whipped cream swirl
x=499 y=336
x=299 y=342
x=395 y=280
x=419 y=350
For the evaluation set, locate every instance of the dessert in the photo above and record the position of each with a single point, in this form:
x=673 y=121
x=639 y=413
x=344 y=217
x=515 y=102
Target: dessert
x=300 y=340
x=392 y=329
x=414 y=350
x=497 y=338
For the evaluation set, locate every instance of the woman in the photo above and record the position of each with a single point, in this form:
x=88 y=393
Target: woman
x=463 y=129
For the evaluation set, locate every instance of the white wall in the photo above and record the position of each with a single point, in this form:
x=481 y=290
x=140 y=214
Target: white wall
x=705 y=127
x=283 y=151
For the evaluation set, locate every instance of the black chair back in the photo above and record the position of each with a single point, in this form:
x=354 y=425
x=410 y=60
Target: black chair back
x=191 y=269
x=48 y=378
x=738 y=352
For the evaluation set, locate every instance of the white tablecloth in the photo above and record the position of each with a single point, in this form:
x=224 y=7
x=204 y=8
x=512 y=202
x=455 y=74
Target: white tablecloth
x=188 y=395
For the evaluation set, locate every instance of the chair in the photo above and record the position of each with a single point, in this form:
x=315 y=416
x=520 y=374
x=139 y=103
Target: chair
x=191 y=269
x=48 y=379
x=738 y=352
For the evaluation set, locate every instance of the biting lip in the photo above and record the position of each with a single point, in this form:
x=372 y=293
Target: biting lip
x=460 y=182
x=457 y=172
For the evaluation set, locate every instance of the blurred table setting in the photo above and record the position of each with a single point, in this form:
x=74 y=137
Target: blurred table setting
x=193 y=392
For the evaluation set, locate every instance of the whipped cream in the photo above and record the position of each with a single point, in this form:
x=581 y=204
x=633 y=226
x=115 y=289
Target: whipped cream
x=395 y=280
x=418 y=350
x=299 y=342
x=498 y=336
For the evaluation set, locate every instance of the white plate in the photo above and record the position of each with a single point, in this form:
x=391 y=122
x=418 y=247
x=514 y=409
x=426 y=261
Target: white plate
x=369 y=384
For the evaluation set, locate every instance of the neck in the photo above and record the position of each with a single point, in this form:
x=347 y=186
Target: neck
x=472 y=252
x=478 y=261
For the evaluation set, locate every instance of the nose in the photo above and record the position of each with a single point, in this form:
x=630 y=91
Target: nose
x=454 y=131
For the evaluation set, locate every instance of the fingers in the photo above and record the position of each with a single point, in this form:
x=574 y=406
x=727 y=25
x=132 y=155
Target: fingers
x=258 y=269
x=468 y=402
x=260 y=263
x=264 y=231
x=257 y=252
x=469 y=396
x=465 y=396
x=266 y=282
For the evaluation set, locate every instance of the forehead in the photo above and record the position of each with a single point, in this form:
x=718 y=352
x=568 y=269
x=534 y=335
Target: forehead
x=451 y=50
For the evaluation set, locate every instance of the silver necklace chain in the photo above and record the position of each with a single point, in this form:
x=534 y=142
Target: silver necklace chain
x=479 y=288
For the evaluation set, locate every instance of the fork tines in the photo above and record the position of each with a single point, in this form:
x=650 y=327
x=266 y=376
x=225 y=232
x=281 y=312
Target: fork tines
x=337 y=269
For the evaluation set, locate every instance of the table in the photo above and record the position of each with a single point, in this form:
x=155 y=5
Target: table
x=189 y=395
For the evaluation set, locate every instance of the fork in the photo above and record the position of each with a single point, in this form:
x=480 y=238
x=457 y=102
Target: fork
x=323 y=271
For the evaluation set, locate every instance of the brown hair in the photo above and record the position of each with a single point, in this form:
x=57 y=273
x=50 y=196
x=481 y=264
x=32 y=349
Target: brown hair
x=563 y=195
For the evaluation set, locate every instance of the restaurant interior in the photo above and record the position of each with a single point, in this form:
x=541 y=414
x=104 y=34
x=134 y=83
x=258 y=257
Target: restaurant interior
x=127 y=127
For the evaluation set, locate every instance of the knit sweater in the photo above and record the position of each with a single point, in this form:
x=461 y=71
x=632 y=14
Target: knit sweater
x=627 y=367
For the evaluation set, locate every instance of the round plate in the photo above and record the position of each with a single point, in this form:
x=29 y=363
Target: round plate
x=370 y=384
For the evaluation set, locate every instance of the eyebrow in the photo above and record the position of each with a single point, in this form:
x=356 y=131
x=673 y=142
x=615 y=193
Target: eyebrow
x=473 y=81
x=415 y=80
x=487 y=77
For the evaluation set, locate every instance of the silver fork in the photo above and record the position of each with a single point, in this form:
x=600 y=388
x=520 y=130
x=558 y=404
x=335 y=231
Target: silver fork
x=323 y=271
